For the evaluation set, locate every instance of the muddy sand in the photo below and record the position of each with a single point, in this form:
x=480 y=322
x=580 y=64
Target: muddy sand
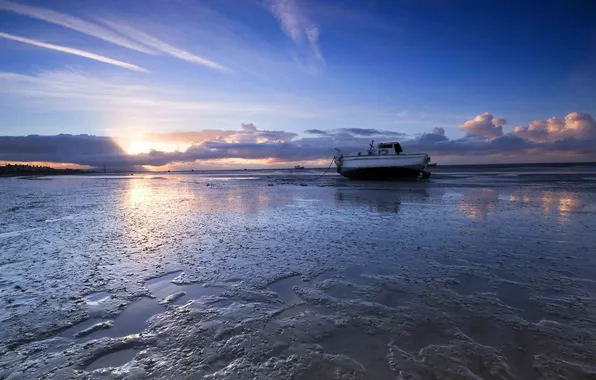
x=276 y=275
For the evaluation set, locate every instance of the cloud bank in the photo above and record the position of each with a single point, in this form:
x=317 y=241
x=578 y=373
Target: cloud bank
x=574 y=136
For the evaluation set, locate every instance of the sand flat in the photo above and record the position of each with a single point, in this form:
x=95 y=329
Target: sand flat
x=274 y=275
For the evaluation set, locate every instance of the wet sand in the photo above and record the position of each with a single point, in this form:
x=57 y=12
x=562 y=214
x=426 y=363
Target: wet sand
x=472 y=275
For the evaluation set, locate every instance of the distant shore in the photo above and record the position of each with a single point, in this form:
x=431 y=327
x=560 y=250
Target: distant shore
x=38 y=174
x=34 y=171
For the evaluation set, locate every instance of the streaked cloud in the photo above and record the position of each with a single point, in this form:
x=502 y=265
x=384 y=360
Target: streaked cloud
x=161 y=46
x=68 y=50
x=359 y=132
x=74 y=23
x=111 y=31
x=154 y=106
x=303 y=32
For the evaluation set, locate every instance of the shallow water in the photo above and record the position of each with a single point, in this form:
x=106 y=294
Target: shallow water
x=276 y=274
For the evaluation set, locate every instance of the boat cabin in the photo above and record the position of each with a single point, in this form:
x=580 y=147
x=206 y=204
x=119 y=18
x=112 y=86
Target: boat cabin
x=384 y=149
x=389 y=148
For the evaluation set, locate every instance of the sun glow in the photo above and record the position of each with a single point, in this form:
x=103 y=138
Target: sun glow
x=135 y=147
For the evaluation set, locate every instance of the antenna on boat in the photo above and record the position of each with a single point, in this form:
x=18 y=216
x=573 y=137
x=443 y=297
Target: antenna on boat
x=372 y=146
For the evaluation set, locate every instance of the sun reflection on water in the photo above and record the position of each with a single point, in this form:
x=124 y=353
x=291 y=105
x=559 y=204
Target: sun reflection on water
x=479 y=203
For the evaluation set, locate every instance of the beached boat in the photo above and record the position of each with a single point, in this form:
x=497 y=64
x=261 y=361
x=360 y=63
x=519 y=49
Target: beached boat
x=383 y=162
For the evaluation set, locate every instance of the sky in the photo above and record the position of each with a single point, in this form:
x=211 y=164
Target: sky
x=182 y=84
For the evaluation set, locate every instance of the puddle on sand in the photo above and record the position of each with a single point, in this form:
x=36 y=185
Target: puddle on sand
x=162 y=287
x=469 y=283
x=16 y=233
x=450 y=261
x=285 y=288
x=74 y=329
x=132 y=319
x=370 y=350
x=518 y=297
x=96 y=298
x=113 y=359
x=69 y=217
x=341 y=291
x=298 y=309
x=390 y=298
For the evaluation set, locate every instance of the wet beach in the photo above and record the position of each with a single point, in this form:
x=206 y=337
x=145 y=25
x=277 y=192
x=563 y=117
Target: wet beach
x=475 y=274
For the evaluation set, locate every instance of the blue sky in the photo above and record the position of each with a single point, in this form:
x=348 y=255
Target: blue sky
x=126 y=69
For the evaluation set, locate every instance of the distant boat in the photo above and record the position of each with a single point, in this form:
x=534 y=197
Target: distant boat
x=383 y=162
x=298 y=167
x=432 y=165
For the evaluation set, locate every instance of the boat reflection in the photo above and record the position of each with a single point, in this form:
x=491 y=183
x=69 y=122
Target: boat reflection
x=374 y=201
x=380 y=201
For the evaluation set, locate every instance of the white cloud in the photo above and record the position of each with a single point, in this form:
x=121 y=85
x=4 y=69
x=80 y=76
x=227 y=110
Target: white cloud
x=149 y=104
x=114 y=32
x=576 y=125
x=485 y=125
x=73 y=51
x=301 y=30
x=73 y=23
x=161 y=46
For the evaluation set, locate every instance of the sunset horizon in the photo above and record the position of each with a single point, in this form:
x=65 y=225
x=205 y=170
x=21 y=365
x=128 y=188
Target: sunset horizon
x=280 y=82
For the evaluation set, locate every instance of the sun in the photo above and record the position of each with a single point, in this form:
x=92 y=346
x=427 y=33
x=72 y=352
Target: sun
x=135 y=147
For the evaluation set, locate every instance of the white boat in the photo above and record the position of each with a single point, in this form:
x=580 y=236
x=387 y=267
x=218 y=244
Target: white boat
x=383 y=162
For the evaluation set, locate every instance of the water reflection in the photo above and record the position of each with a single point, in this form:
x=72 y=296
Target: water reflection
x=380 y=201
x=561 y=203
x=479 y=203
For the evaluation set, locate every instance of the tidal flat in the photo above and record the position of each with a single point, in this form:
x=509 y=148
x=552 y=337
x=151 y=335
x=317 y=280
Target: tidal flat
x=475 y=274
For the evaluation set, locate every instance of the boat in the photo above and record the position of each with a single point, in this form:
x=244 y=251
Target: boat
x=298 y=167
x=385 y=161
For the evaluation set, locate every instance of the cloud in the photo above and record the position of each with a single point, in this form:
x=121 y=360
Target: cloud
x=439 y=131
x=114 y=32
x=78 y=149
x=368 y=132
x=248 y=134
x=576 y=125
x=78 y=52
x=149 y=105
x=73 y=23
x=161 y=46
x=355 y=132
x=485 y=125
x=249 y=142
x=304 y=33
x=249 y=127
x=316 y=132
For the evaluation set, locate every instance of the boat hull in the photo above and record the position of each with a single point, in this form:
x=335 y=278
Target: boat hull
x=382 y=174
x=388 y=167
